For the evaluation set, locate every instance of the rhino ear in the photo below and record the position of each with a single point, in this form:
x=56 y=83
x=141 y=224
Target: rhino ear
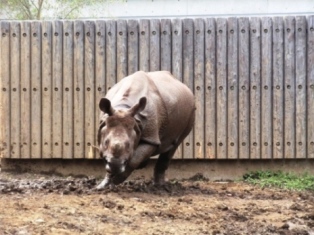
x=138 y=107
x=105 y=106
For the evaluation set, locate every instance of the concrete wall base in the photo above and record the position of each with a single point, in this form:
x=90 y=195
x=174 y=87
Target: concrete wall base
x=179 y=169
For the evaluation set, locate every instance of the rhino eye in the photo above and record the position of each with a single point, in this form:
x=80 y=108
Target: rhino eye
x=106 y=143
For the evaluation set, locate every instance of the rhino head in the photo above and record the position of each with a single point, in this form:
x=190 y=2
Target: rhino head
x=118 y=135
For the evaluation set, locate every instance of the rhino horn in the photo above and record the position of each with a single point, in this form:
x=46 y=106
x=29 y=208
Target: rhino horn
x=140 y=106
x=105 y=106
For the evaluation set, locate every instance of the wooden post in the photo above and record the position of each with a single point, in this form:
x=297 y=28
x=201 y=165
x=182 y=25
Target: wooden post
x=300 y=99
x=210 y=88
x=244 y=88
x=36 y=80
x=78 y=89
x=289 y=87
x=15 y=88
x=278 y=87
x=266 y=89
x=188 y=77
x=221 y=113
x=47 y=89
x=232 y=88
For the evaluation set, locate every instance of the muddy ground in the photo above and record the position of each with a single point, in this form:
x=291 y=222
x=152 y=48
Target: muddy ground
x=47 y=204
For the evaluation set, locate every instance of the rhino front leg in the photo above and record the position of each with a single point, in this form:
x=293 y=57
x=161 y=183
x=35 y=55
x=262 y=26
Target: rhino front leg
x=141 y=155
x=105 y=183
x=139 y=158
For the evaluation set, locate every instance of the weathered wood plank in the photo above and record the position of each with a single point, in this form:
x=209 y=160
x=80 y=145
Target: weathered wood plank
x=25 y=89
x=300 y=72
x=255 y=88
x=111 y=57
x=78 y=86
x=188 y=77
x=133 y=60
x=122 y=49
x=46 y=89
x=100 y=53
x=15 y=88
x=221 y=113
x=199 y=86
x=36 y=124
x=289 y=87
x=154 y=47
x=278 y=87
x=177 y=41
x=244 y=88
x=176 y=62
x=67 y=117
x=266 y=89
x=57 y=89
x=90 y=107
x=144 y=45
x=165 y=44
x=5 y=90
x=310 y=87
x=232 y=88
x=210 y=88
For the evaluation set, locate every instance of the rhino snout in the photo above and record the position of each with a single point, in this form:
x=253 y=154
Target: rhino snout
x=116 y=166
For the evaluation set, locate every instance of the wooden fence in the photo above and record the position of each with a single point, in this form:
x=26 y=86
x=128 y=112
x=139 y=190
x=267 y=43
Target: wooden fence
x=253 y=80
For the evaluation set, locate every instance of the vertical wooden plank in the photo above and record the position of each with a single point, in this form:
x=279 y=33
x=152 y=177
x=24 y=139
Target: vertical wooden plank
x=144 y=45
x=210 y=88
x=78 y=89
x=300 y=72
x=310 y=87
x=67 y=117
x=25 y=89
x=244 y=88
x=100 y=52
x=36 y=125
x=266 y=89
x=221 y=88
x=46 y=89
x=176 y=63
x=188 y=77
x=133 y=46
x=255 y=94
x=122 y=50
x=5 y=90
x=90 y=136
x=111 y=56
x=199 y=86
x=165 y=47
x=15 y=88
x=154 y=47
x=278 y=87
x=57 y=89
x=232 y=88
x=289 y=87
x=177 y=41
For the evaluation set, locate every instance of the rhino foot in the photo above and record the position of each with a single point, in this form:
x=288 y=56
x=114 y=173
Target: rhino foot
x=159 y=179
x=104 y=184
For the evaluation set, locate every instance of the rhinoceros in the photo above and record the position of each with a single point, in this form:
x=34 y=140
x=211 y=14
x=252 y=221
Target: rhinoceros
x=143 y=115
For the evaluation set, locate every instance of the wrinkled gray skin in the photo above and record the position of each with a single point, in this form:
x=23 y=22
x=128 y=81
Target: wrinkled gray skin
x=143 y=115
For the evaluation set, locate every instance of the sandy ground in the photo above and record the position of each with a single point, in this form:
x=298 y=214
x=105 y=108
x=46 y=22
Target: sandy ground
x=47 y=204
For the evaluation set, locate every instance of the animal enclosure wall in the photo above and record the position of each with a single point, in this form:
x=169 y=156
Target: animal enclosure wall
x=253 y=80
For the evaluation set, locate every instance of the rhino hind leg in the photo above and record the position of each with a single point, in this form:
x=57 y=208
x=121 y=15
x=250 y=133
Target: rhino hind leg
x=162 y=165
x=164 y=158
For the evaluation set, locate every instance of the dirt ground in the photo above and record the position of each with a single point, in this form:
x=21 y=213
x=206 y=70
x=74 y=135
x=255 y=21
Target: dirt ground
x=48 y=204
